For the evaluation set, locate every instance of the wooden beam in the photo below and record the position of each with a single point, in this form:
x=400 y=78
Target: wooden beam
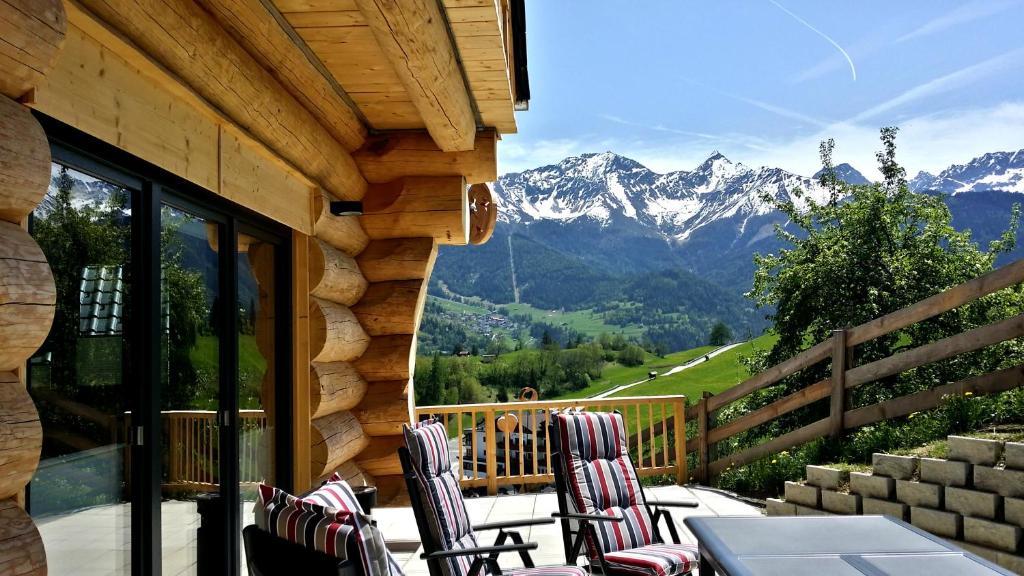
x=263 y=31
x=24 y=161
x=384 y=409
x=398 y=259
x=335 y=439
x=414 y=36
x=388 y=358
x=334 y=386
x=418 y=207
x=334 y=275
x=301 y=392
x=21 y=547
x=342 y=232
x=27 y=296
x=392 y=155
x=33 y=33
x=380 y=457
x=334 y=332
x=183 y=37
x=21 y=435
x=483 y=214
x=390 y=307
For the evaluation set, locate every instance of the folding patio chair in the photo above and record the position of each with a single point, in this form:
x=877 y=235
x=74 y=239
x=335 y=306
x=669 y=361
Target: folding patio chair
x=450 y=544
x=602 y=504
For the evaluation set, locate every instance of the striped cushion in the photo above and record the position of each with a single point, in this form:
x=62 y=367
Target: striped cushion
x=440 y=493
x=546 y=571
x=654 y=560
x=602 y=480
x=306 y=523
x=336 y=494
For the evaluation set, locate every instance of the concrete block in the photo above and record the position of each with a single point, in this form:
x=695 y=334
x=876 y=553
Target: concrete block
x=803 y=494
x=872 y=486
x=778 y=507
x=1013 y=511
x=840 y=503
x=938 y=522
x=975 y=450
x=974 y=503
x=875 y=506
x=1013 y=453
x=898 y=467
x=945 y=472
x=808 y=511
x=826 y=478
x=1001 y=481
x=992 y=534
x=920 y=494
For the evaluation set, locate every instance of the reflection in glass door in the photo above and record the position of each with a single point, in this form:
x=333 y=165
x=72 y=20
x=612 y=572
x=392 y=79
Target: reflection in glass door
x=190 y=375
x=79 y=497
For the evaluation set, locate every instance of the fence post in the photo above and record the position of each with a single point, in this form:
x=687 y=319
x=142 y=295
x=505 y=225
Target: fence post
x=491 y=449
x=838 y=397
x=679 y=425
x=702 y=439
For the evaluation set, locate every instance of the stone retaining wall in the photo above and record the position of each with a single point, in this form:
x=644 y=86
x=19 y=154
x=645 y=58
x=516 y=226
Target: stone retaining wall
x=975 y=498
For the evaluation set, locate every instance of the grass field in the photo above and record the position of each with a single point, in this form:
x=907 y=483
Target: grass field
x=585 y=322
x=459 y=307
x=615 y=374
x=715 y=375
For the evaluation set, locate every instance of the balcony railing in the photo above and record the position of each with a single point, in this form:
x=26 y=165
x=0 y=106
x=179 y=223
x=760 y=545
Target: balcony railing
x=507 y=444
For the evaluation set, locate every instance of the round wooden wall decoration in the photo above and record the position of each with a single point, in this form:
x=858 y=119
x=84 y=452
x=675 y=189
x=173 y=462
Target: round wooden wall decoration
x=483 y=213
x=528 y=394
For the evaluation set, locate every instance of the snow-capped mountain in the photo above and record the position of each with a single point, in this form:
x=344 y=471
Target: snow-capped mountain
x=846 y=173
x=1003 y=171
x=608 y=189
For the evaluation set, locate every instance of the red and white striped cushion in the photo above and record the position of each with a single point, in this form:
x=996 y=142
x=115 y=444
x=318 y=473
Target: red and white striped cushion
x=302 y=522
x=654 y=560
x=602 y=480
x=546 y=571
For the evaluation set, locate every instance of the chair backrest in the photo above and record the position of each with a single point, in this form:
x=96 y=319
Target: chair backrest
x=440 y=510
x=595 y=475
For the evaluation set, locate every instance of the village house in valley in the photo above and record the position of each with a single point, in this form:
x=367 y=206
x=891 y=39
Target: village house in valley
x=219 y=218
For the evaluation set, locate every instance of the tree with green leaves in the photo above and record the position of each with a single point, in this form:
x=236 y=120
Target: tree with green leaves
x=720 y=334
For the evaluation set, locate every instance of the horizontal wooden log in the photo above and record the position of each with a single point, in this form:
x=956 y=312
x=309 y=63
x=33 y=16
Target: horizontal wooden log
x=188 y=41
x=392 y=490
x=334 y=275
x=33 y=34
x=351 y=472
x=27 y=296
x=398 y=259
x=975 y=339
x=483 y=214
x=380 y=457
x=334 y=333
x=803 y=397
x=334 y=386
x=991 y=383
x=264 y=34
x=945 y=301
x=392 y=155
x=343 y=232
x=388 y=358
x=390 y=307
x=385 y=408
x=414 y=36
x=418 y=207
x=334 y=439
x=808 y=357
x=785 y=442
x=21 y=435
x=21 y=547
x=24 y=161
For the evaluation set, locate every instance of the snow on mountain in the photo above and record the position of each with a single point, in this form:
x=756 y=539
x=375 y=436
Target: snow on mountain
x=607 y=188
x=846 y=173
x=1003 y=171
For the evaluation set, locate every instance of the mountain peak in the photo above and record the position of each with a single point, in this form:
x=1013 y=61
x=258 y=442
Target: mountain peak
x=845 y=173
x=597 y=164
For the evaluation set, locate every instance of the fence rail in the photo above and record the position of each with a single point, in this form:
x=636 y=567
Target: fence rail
x=503 y=444
x=839 y=351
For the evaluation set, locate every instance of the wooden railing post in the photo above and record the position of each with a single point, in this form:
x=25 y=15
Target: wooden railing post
x=702 y=439
x=174 y=457
x=679 y=431
x=838 y=399
x=491 y=449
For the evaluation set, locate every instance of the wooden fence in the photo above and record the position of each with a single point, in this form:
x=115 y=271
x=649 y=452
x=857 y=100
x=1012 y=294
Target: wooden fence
x=840 y=351
x=503 y=444
x=193 y=448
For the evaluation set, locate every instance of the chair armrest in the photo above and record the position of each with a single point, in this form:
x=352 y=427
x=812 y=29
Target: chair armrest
x=513 y=524
x=594 y=517
x=480 y=550
x=675 y=503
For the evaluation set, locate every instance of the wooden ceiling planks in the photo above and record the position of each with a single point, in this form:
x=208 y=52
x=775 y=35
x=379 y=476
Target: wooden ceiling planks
x=337 y=32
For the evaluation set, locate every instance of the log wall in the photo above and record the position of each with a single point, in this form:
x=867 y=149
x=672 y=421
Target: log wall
x=33 y=33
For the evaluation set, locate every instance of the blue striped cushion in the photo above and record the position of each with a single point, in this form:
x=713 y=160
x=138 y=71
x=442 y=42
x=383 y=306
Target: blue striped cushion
x=439 y=490
x=602 y=479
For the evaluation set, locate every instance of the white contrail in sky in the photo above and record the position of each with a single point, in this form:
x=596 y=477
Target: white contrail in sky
x=853 y=69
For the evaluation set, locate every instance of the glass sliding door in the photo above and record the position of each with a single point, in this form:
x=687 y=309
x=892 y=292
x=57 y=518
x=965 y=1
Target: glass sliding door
x=190 y=377
x=80 y=495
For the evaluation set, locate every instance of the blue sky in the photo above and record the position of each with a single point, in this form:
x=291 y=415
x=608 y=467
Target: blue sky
x=764 y=81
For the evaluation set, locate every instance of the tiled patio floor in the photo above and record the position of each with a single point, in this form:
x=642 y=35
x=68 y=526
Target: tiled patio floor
x=399 y=523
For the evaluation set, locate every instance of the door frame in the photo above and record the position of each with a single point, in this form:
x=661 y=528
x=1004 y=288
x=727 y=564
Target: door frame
x=151 y=188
